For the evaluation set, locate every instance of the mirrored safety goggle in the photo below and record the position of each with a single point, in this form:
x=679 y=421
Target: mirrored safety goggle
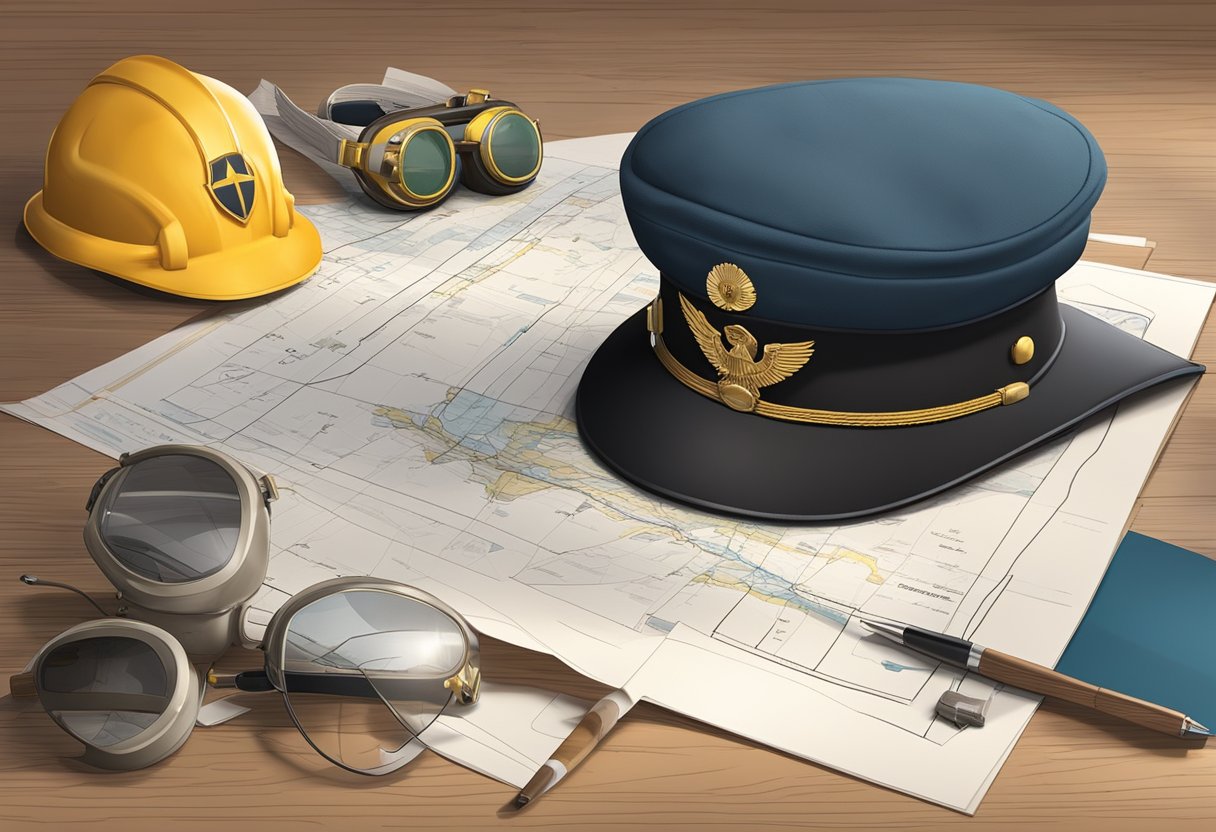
x=183 y=533
x=411 y=159
x=125 y=689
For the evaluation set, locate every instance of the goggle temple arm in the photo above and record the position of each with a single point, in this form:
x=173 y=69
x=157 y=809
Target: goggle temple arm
x=249 y=681
x=466 y=685
x=34 y=580
x=256 y=681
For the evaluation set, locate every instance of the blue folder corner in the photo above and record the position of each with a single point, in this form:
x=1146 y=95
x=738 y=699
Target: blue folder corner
x=1151 y=629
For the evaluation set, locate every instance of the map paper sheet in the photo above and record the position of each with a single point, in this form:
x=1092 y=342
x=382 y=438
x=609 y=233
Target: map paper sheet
x=415 y=398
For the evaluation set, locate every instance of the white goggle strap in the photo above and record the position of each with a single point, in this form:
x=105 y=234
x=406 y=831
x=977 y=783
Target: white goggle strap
x=316 y=138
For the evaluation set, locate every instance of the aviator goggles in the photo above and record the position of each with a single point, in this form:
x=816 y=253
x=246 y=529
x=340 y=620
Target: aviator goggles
x=411 y=159
x=364 y=665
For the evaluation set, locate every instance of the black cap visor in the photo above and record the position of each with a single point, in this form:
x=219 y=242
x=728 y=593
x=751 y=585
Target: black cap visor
x=657 y=433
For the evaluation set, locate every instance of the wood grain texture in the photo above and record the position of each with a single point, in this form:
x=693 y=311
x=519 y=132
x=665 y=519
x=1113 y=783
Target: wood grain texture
x=1142 y=76
x=1035 y=678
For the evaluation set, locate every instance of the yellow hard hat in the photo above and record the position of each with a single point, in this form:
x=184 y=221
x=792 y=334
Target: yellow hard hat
x=169 y=179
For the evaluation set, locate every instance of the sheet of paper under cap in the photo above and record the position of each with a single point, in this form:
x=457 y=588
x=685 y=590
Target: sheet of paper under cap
x=415 y=401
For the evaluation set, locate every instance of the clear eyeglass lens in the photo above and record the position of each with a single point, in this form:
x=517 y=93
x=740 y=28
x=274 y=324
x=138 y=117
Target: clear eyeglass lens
x=173 y=518
x=104 y=690
x=364 y=674
x=515 y=145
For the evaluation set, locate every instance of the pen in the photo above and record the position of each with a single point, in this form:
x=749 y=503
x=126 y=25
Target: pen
x=574 y=749
x=1036 y=678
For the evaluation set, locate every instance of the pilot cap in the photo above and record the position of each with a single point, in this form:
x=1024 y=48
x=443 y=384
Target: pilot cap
x=856 y=303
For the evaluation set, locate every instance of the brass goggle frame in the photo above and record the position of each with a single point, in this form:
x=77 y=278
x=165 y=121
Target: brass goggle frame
x=379 y=156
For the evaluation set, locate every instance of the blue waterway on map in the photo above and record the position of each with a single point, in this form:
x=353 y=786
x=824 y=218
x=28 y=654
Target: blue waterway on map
x=480 y=424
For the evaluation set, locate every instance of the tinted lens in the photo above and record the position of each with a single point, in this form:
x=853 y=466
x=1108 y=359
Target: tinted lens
x=104 y=690
x=172 y=518
x=515 y=145
x=364 y=673
x=426 y=163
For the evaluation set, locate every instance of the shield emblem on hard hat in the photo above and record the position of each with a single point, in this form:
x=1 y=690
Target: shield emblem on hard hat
x=233 y=186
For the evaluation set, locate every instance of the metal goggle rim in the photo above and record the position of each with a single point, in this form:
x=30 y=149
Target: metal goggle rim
x=480 y=134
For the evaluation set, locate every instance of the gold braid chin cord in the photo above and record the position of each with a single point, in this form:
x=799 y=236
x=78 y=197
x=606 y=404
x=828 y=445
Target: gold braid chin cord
x=1009 y=394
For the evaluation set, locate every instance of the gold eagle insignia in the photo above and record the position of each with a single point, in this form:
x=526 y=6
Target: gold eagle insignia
x=742 y=375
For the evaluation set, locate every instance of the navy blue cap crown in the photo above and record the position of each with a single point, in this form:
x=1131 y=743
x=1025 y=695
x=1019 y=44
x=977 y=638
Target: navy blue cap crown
x=880 y=204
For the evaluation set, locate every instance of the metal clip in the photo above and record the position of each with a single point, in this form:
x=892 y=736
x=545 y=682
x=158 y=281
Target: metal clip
x=270 y=489
x=465 y=685
x=1014 y=393
x=350 y=154
x=654 y=316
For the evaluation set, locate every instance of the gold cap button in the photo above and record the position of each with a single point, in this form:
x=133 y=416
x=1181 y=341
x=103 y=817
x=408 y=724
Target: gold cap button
x=1022 y=350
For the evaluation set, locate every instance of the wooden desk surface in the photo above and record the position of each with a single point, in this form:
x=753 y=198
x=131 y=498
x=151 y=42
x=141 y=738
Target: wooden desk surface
x=1141 y=76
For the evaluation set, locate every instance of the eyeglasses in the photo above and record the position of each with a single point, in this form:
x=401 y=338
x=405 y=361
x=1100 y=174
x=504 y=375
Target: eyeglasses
x=410 y=159
x=364 y=665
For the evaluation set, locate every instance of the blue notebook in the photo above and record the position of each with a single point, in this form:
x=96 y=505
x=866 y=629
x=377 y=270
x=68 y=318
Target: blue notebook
x=1151 y=629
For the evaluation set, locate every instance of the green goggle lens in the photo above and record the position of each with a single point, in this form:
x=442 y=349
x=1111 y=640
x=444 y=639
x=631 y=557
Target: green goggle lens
x=514 y=145
x=426 y=163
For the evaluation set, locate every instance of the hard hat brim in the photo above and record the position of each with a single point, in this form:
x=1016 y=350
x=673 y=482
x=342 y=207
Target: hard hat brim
x=257 y=268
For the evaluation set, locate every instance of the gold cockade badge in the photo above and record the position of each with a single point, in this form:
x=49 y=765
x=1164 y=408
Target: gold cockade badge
x=729 y=288
x=742 y=375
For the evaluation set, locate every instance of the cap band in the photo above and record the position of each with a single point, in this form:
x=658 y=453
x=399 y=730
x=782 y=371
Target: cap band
x=908 y=370
x=1009 y=394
